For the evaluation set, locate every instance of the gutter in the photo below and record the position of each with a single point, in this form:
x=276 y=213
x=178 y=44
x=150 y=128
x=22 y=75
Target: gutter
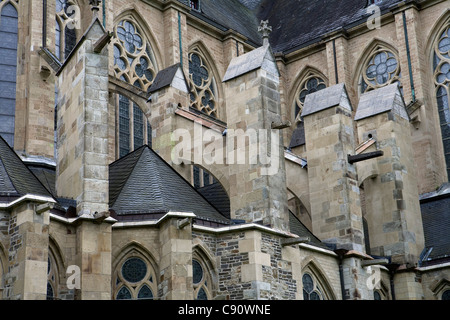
x=27 y=197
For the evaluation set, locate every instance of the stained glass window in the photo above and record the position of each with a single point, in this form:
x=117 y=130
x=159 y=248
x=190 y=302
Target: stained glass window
x=201 y=279
x=52 y=280
x=197 y=271
x=123 y=294
x=8 y=70
x=134 y=280
x=134 y=128
x=134 y=61
x=138 y=117
x=67 y=22
x=381 y=69
x=310 y=291
x=202 y=294
x=441 y=65
x=310 y=84
x=203 y=96
x=134 y=270
x=124 y=126
x=145 y=293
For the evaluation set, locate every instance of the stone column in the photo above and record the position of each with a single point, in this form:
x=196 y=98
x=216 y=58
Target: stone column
x=28 y=252
x=392 y=197
x=333 y=185
x=254 y=145
x=35 y=92
x=83 y=126
x=176 y=258
x=169 y=90
x=82 y=166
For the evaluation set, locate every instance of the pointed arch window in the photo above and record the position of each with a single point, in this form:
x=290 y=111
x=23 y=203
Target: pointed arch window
x=134 y=128
x=8 y=69
x=201 y=280
x=134 y=60
x=52 y=278
x=135 y=280
x=310 y=84
x=203 y=84
x=381 y=69
x=311 y=290
x=441 y=68
x=67 y=22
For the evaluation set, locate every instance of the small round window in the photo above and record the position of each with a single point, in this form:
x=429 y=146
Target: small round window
x=134 y=270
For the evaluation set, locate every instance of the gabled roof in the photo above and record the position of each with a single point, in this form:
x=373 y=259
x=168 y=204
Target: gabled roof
x=16 y=179
x=143 y=183
x=171 y=76
x=298 y=228
x=255 y=59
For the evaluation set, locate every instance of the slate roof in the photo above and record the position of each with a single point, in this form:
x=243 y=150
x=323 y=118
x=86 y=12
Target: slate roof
x=436 y=224
x=15 y=177
x=326 y=98
x=230 y=14
x=218 y=197
x=165 y=77
x=295 y=23
x=143 y=183
x=298 y=228
x=388 y=98
x=298 y=136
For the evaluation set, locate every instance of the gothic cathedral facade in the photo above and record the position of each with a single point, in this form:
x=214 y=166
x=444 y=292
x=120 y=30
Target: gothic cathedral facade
x=224 y=150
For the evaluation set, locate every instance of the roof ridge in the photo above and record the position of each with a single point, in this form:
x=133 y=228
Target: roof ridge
x=133 y=158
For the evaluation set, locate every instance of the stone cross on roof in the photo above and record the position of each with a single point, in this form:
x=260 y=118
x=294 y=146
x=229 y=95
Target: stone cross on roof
x=264 y=29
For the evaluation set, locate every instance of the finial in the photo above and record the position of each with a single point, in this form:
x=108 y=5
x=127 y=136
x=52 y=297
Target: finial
x=95 y=6
x=264 y=29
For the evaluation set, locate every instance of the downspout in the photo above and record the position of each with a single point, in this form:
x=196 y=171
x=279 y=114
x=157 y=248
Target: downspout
x=392 y=268
x=44 y=24
x=341 y=253
x=104 y=13
x=411 y=79
x=180 y=41
x=335 y=62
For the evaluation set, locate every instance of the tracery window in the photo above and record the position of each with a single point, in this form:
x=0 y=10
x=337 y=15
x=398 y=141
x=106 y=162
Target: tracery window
x=134 y=128
x=67 y=20
x=310 y=289
x=135 y=280
x=204 y=89
x=310 y=84
x=441 y=67
x=201 y=178
x=201 y=280
x=52 y=278
x=381 y=69
x=8 y=69
x=134 y=60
